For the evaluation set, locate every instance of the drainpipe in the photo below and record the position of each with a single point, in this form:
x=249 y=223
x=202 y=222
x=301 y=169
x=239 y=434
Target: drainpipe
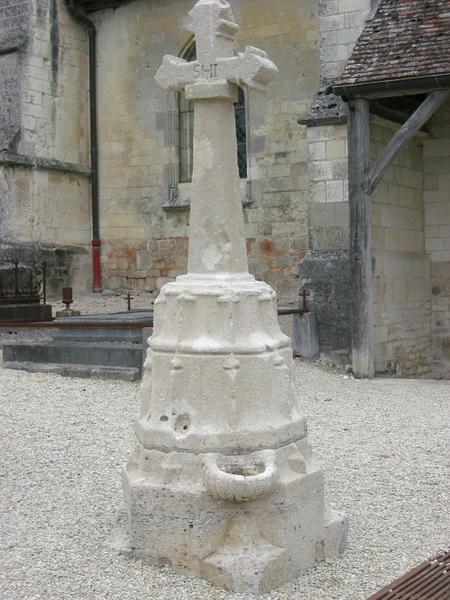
x=75 y=12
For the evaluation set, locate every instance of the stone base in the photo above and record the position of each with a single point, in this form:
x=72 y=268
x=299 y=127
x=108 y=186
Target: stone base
x=223 y=483
x=246 y=523
x=25 y=312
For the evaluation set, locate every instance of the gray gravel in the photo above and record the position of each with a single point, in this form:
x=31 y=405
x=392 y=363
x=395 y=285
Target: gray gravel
x=384 y=447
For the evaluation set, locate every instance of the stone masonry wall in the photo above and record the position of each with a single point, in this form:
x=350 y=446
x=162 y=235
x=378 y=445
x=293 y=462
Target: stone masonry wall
x=55 y=120
x=437 y=235
x=14 y=25
x=44 y=190
x=144 y=242
x=341 y=23
x=402 y=271
x=325 y=271
x=402 y=303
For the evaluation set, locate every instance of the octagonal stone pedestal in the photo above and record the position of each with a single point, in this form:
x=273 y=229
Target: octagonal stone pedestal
x=224 y=484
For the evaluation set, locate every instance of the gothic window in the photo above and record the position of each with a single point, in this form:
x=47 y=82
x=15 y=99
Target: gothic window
x=186 y=129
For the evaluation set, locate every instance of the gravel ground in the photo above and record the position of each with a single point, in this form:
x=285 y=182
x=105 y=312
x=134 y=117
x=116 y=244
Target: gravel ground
x=383 y=445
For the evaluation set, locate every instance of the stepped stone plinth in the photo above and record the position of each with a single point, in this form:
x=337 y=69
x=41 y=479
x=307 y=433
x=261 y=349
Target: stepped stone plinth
x=223 y=483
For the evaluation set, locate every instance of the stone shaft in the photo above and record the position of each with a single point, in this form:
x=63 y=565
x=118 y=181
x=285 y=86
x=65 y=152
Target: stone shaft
x=216 y=222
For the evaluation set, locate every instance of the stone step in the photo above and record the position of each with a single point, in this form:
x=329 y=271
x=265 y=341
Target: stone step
x=103 y=334
x=71 y=370
x=105 y=354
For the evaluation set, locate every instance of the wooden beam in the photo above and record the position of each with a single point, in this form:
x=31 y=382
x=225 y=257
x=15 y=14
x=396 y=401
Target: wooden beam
x=415 y=122
x=391 y=114
x=360 y=238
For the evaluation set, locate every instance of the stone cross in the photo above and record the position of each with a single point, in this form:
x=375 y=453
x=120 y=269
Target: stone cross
x=216 y=223
x=222 y=483
x=214 y=27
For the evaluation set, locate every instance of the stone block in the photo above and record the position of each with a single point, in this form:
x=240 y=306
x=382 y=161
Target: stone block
x=342 y=215
x=346 y=36
x=437 y=196
x=118 y=220
x=305 y=336
x=143 y=259
x=437 y=213
x=326 y=275
x=335 y=191
x=317 y=150
x=318 y=191
x=336 y=149
x=444 y=182
x=321 y=133
x=75 y=352
x=340 y=169
x=321 y=170
x=321 y=215
x=436 y=148
x=401 y=218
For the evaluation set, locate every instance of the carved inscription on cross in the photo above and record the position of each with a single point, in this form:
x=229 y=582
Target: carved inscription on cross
x=214 y=27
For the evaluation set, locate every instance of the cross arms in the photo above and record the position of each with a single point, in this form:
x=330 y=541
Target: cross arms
x=250 y=68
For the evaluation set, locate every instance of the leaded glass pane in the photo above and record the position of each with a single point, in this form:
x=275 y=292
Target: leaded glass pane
x=241 y=134
x=186 y=127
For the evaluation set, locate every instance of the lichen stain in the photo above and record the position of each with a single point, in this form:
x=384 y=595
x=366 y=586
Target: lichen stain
x=123 y=251
x=267 y=247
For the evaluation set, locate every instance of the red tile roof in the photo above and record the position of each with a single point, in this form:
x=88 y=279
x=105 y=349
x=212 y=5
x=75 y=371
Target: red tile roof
x=405 y=38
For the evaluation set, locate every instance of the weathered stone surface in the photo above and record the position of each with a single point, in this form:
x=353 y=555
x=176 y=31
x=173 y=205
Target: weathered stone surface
x=305 y=336
x=223 y=483
x=326 y=275
x=44 y=188
x=25 y=312
x=14 y=23
x=108 y=346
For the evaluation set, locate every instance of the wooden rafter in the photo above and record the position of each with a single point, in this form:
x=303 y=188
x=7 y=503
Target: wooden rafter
x=415 y=122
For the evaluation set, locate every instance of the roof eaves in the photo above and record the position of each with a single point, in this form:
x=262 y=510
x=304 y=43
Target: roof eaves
x=393 y=87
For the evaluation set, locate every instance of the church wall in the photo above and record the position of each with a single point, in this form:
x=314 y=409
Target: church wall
x=341 y=23
x=44 y=197
x=437 y=235
x=55 y=120
x=14 y=27
x=325 y=271
x=402 y=270
x=144 y=225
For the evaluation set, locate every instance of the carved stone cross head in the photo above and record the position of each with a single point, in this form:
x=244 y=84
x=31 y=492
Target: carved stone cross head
x=215 y=28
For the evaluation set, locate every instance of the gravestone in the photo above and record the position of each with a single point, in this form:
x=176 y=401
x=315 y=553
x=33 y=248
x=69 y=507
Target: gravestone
x=223 y=484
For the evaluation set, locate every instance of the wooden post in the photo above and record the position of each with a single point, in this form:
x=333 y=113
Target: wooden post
x=360 y=238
